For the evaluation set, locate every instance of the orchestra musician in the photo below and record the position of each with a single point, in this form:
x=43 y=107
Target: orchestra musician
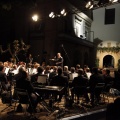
x=30 y=59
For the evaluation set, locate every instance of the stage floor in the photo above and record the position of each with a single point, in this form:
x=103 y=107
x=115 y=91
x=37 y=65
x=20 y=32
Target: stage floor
x=60 y=111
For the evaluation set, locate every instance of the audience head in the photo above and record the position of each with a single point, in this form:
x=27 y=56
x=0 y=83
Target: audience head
x=21 y=69
x=72 y=69
x=65 y=68
x=1 y=67
x=55 y=68
x=40 y=69
x=77 y=66
x=95 y=70
x=80 y=71
x=59 y=70
x=87 y=69
x=24 y=75
x=1 y=63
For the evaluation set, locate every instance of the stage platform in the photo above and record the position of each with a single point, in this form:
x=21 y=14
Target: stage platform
x=75 y=112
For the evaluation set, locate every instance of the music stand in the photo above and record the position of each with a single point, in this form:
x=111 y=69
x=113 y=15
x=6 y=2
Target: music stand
x=10 y=103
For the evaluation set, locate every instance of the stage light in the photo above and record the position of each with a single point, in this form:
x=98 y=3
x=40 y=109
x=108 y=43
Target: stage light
x=58 y=14
x=35 y=17
x=90 y=4
x=52 y=15
x=63 y=12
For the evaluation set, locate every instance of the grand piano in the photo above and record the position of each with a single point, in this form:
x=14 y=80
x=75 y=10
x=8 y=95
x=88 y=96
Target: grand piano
x=42 y=89
x=48 y=91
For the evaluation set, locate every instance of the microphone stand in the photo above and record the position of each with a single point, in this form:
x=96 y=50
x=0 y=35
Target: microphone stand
x=66 y=54
x=16 y=58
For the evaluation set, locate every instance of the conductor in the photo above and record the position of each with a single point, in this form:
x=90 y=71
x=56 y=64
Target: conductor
x=59 y=60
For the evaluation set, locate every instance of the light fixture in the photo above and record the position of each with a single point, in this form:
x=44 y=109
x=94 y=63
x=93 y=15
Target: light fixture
x=60 y=14
x=52 y=15
x=63 y=12
x=89 y=4
x=35 y=17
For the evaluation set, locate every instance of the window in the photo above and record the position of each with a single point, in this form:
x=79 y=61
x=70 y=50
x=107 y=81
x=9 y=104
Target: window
x=110 y=16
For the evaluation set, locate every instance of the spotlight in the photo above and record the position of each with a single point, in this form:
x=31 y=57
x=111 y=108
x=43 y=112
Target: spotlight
x=63 y=12
x=52 y=15
x=89 y=5
x=35 y=17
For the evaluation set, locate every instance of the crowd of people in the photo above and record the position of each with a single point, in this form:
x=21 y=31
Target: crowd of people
x=25 y=75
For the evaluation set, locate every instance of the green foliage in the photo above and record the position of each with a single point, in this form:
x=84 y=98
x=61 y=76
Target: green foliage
x=118 y=63
x=109 y=49
x=97 y=62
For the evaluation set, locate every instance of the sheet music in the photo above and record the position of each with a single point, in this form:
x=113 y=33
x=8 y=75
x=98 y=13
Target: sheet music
x=6 y=71
x=42 y=79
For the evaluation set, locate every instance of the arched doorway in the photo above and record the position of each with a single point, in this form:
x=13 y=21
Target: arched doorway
x=108 y=61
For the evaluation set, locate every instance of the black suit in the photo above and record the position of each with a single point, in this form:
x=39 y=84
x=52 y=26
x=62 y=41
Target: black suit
x=25 y=84
x=77 y=83
x=59 y=61
x=94 y=80
x=60 y=80
x=3 y=80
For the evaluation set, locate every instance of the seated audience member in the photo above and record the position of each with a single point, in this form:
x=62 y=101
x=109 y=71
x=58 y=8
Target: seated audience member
x=35 y=76
x=95 y=78
x=117 y=80
x=3 y=78
x=88 y=73
x=77 y=82
x=66 y=71
x=107 y=78
x=47 y=70
x=60 y=80
x=77 y=68
x=19 y=74
x=72 y=73
x=53 y=73
x=24 y=83
x=113 y=110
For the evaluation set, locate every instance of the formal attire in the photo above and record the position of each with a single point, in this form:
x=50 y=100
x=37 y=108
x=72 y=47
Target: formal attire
x=60 y=80
x=3 y=80
x=26 y=85
x=78 y=82
x=59 y=61
x=94 y=80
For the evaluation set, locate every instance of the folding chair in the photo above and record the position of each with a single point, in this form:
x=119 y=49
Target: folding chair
x=99 y=88
x=23 y=98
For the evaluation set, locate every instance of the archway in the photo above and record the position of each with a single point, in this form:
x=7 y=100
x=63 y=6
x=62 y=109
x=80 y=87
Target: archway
x=108 y=61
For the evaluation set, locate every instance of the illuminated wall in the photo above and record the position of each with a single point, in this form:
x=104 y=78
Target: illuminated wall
x=105 y=52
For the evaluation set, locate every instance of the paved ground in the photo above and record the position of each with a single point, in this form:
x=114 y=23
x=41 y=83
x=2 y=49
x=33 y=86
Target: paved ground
x=60 y=111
